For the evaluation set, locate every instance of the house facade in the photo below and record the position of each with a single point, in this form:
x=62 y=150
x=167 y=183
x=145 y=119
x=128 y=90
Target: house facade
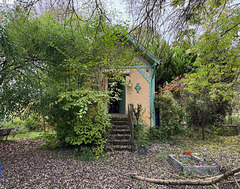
x=140 y=85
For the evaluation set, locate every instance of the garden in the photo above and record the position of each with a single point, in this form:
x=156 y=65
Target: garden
x=55 y=62
x=25 y=163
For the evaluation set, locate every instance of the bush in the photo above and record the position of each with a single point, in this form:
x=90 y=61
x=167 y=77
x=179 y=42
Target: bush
x=32 y=122
x=140 y=128
x=157 y=134
x=50 y=139
x=232 y=119
x=205 y=112
x=202 y=108
x=141 y=135
x=16 y=123
x=80 y=119
x=171 y=116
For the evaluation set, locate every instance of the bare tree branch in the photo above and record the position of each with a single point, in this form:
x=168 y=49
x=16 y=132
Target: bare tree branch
x=206 y=181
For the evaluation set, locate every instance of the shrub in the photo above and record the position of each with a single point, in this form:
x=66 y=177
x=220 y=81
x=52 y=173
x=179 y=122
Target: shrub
x=80 y=118
x=157 y=134
x=16 y=123
x=32 y=122
x=140 y=128
x=232 y=119
x=202 y=108
x=204 y=112
x=170 y=114
x=141 y=134
x=50 y=139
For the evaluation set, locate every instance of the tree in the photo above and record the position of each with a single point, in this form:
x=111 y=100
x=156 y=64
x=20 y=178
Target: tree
x=175 y=63
x=47 y=63
x=176 y=15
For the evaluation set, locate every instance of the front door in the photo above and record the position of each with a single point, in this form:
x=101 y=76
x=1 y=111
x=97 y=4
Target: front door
x=117 y=97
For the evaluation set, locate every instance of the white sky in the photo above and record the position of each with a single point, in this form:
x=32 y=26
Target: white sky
x=7 y=1
x=119 y=9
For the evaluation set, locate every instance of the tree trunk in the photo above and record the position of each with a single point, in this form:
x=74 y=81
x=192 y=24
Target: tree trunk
x=203 y=134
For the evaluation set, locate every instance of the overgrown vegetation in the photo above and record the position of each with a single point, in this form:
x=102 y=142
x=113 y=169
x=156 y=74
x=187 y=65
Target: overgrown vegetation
x=207 y=90
x=80 y=118
x=58 y=69
x=140 y=128
x=171 y=116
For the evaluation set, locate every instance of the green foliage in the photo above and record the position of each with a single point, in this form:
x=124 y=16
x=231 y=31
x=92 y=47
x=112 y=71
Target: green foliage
x=137 y=112
x=27 y=135
x=140 y=128
x=80 y=119
x=232 y=119
x=211 y=88
x=85 y=154
x=44 y=59
x=42 y=55
x=157 y=134
x=22 y=126
x=17 y=124
x=177 y=65
x=202 y=111
x=174 y=61
x=171 y=115
x=32 y=122
x=50 y=139
x=218 y=59
x=182 y=62
x=208 y=93
x=141 y=133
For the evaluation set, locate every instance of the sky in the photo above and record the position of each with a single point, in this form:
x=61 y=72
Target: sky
x=119 y=8
x=9 y=3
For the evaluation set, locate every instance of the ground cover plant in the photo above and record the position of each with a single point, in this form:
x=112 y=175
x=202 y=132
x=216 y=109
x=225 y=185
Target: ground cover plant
x=25 y=164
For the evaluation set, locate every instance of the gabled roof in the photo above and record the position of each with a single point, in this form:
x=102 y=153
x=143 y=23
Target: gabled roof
x=146 y=53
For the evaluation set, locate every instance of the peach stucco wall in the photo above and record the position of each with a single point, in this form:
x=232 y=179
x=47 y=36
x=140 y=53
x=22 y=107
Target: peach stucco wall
x=143 y=96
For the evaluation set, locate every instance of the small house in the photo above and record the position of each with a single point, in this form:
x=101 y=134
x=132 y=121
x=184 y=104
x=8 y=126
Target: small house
x=140 y=88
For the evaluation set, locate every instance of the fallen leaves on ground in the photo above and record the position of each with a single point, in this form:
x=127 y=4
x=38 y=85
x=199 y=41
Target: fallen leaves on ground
x=26 y=165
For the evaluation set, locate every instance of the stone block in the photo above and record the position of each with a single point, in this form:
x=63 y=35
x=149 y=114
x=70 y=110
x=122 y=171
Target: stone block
x=196 y=169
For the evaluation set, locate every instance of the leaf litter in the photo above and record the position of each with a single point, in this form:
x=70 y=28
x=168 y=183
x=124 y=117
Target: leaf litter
x=25 y=164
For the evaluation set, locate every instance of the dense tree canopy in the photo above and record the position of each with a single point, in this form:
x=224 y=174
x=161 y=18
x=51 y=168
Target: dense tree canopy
x=44 y=59
x=40 y=52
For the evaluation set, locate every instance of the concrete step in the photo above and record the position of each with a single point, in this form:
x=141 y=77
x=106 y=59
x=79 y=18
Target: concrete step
x=120 y=127
x=120 y=131
x=119 y=116
x=119 y=122
x=120 y=136
x=118 y=142
x=120 y=147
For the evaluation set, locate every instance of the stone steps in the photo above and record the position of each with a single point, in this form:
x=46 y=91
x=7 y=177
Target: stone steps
x=119 y=127
x=120 y=142
x=120 y=122
x=120 y=131
x=120 y=134
x=120 y=147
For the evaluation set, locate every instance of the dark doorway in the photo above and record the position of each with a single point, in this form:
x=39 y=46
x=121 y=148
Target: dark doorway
x=117 y=97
